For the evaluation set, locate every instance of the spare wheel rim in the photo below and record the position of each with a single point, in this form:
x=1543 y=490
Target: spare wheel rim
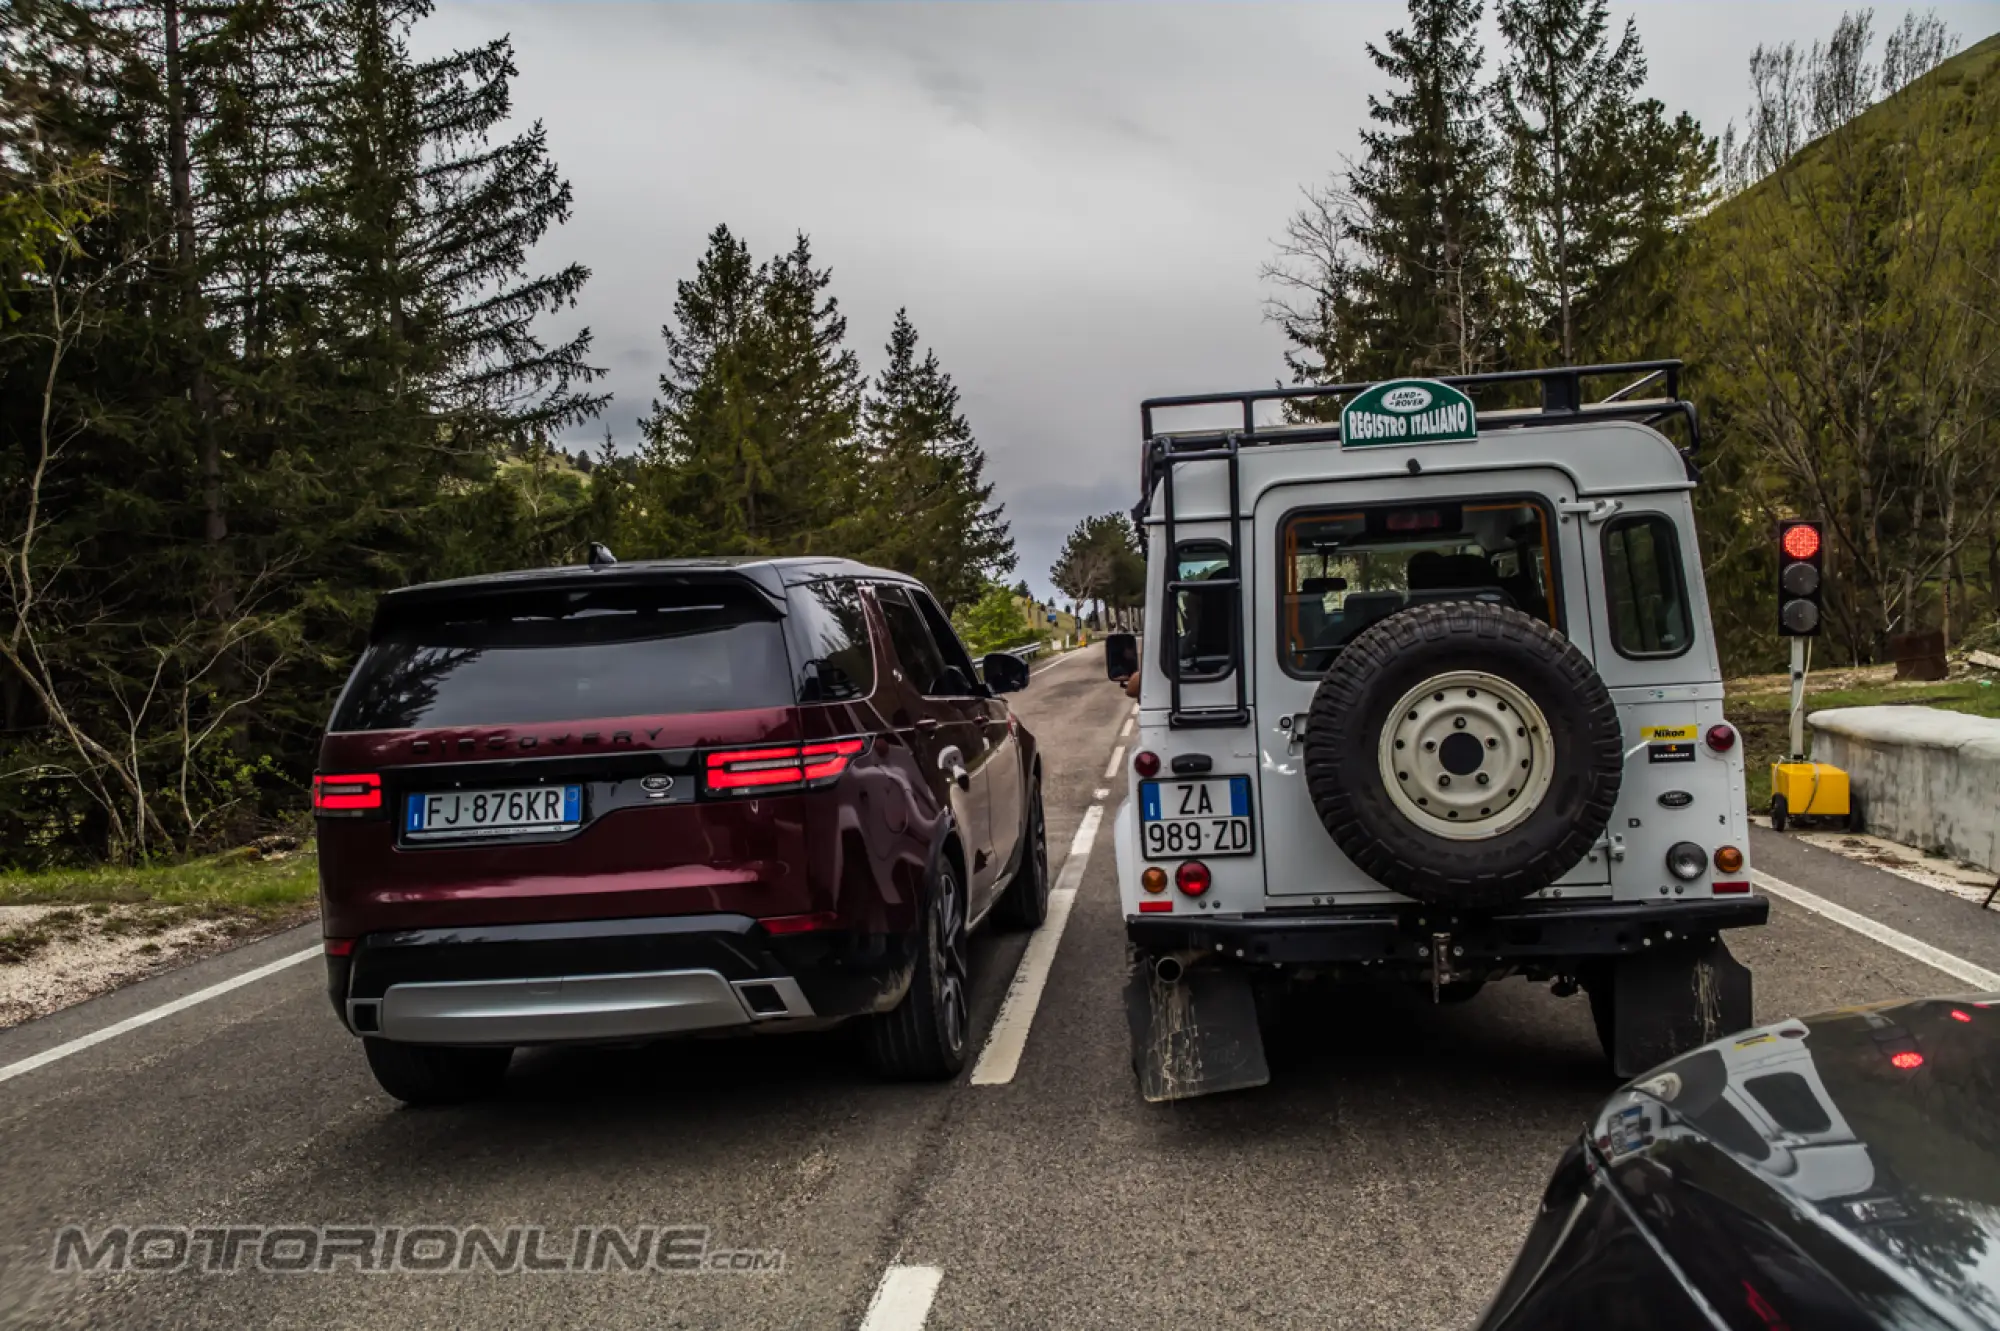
x=1450 y=731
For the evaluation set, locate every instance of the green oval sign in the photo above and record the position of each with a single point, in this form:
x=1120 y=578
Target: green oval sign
x=1408 y=411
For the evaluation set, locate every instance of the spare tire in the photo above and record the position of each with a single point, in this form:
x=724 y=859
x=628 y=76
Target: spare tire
x=1463 y=753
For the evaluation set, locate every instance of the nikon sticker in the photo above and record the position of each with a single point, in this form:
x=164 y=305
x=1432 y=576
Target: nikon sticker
x=1408 y=411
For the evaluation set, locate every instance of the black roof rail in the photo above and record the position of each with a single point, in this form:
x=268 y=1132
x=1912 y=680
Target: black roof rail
x=1562 y=400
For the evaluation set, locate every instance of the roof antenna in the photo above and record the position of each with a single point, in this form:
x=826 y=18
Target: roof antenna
x=601 y=557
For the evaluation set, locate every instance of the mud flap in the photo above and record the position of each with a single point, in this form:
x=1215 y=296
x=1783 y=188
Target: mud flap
x=1664 y=1004
x=1196 y=1036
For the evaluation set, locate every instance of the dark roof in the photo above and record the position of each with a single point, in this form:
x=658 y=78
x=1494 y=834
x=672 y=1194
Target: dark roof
x=771 y=573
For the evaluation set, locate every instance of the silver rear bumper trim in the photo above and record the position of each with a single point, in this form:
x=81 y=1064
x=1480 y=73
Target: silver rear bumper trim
x=582 y=1008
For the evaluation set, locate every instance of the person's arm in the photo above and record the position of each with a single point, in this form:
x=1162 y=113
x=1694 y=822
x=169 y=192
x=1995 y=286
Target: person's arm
x=1131 y=683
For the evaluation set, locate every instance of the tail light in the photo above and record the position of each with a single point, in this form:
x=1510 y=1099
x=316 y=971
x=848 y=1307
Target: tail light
x=1154 y=879
x=1907 y=1060
x=780 y=767
x=1728 y=859
x=1721 y=738
x=799 y=924
x=1729 y=889
x=340 y=947
x=1192 y=878
x=1146 y=763
x=347 y=796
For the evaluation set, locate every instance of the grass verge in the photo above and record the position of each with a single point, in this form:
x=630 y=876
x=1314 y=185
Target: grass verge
x=246 y=890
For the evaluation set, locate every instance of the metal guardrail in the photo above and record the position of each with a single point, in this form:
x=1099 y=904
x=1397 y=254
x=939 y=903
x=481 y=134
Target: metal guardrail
x=1026 y=651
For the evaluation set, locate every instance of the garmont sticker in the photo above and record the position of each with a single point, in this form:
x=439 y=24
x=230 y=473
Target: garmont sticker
x=1670 y=753
x=1668 y=732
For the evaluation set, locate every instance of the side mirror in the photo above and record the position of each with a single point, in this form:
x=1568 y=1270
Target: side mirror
x=1005 y=672
x=1121 y=655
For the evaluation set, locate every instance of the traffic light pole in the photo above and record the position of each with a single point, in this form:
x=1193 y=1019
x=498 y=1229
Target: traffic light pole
x=1799 y=699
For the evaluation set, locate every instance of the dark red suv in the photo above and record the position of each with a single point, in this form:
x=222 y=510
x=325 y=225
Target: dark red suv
x=623 y=801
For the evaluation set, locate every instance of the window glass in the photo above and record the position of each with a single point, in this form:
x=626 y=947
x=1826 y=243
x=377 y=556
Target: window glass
x=1204 y=623
x=923 y=663
x=1346 y=570
x=571 y=656
x=1643 y=583
x=961 y=678
x=829 y=636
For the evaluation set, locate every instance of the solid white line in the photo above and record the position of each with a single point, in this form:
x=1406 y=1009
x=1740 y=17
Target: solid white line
x=148 y=1017
x=1956 y=967
x=902 y=1301
x=1111 y=768
x=1001 y=1058
x=1130 y=717
x=1072 y=652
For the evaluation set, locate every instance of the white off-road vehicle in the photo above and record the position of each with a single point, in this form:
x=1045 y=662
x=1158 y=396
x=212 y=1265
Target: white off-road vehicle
x=1430 y=695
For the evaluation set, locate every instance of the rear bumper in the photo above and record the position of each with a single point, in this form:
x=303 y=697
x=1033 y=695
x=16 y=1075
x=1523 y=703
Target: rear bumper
x=608 y=980
x=1402 y=937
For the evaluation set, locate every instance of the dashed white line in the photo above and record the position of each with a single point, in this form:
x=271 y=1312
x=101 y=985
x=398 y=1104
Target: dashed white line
x=1001 y=1058
x=1117 y=757
x=1126 y=733
x=902 y=1301
x=1896 y=940
x=151 y=1015
x=1102 y=792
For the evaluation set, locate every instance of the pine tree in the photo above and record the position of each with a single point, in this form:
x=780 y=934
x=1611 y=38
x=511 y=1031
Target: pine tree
x=1429 y=287
x=1567 y=106
x=750 y=448
x=929 y=509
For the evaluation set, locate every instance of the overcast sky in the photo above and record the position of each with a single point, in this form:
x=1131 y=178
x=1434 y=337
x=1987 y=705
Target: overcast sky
x=1072 y=199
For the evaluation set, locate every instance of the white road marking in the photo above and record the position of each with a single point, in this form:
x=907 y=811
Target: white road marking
x=1001 y=1058
x=1117 y=757
x=902 y=1301
x=1126 y=733
x=1896 y=940
x=151 y=1015
x=1102 y=792
x=1073 y=652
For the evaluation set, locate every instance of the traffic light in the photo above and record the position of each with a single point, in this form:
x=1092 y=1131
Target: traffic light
x=1800 y=552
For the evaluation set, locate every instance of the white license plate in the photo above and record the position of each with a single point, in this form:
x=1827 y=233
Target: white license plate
x=1207 y=815
x=509 y=811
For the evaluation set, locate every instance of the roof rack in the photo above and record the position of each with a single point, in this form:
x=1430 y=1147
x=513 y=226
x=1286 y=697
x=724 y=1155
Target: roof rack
x=1562 y=400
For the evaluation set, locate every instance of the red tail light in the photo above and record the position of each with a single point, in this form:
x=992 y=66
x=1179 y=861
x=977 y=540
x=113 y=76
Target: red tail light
x=1907 y=1060
x=340 y=947
x=781 y=766
x=1723 y=889
x=1721 y=738
x=1156 y=905
x=1192 y=878
x=360 y=793
x=1958 y=1014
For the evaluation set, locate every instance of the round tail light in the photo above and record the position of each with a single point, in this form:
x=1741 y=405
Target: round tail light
x=1192 y=878
x=1146 y=763
x=1721 y=738
x=1728 y=859
x=1154 y=879
x=1686 y=861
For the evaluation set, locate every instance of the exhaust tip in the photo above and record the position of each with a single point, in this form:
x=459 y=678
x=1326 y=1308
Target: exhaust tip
x=1169 y=969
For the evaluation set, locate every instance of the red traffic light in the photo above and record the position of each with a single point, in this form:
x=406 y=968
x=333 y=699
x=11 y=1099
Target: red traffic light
x=1801 y=541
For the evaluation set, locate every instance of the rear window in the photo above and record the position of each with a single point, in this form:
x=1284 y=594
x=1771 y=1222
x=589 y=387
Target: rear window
x=1345 y=570
x=572 y=656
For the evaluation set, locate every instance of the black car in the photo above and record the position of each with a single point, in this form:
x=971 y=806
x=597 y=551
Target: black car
x=1841 y=1171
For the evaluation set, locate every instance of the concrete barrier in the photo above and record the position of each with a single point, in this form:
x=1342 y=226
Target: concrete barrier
x=1924 y=777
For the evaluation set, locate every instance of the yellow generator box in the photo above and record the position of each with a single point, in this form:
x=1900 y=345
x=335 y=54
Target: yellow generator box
x=1812 y=790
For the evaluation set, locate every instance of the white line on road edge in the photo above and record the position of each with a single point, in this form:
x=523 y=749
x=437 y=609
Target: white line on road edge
x=902 y=1301
x=1068 y=655
x=1001 y=1058
x=147 y=1018
x=1117 y=757
x=1126 y=733
x=1956 y=967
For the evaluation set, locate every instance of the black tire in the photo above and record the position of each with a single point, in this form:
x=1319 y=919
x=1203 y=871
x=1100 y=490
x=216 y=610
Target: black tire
x=1780 y=813
x=923 y=1038
x=425 y=1074
x=1025 y=905
x=1352 y=708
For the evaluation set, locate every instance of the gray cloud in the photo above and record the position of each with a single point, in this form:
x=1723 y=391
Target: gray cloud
x=1072 y=199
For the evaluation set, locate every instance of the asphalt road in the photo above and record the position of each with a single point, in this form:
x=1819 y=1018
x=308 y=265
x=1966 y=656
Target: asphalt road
x=1383 y=1179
